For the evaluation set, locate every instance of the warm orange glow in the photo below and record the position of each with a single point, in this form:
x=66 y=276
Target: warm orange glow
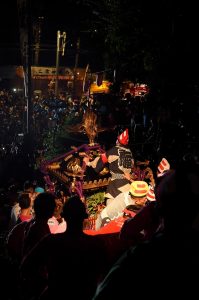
x=103 y=88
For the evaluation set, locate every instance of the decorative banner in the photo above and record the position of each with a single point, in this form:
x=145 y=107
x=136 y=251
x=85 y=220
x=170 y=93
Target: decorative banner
x=47 y=73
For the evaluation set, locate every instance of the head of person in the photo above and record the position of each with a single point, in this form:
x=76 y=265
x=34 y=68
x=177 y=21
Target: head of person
x=74 y=212
x=123 y=138
x=28 y=187
x=138 y=192
x=24 y=200
x=59 y=204
x=44 y=205
x=38 y=190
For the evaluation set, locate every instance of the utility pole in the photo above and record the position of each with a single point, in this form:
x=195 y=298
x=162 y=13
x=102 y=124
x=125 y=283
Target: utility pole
x=37 y=36
x=25 y=29
x=24 y=12
x=61 y=38
x=75 y=67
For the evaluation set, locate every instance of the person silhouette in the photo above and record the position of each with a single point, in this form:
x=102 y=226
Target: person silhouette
x=168 y=261
x=73 y=261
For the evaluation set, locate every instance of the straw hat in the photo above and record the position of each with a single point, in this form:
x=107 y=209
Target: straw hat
x=139 y=188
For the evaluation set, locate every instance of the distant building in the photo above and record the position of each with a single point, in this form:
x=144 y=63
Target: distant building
x=43 y=79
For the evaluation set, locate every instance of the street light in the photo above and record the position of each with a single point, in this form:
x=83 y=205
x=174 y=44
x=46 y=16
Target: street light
x=62 y=38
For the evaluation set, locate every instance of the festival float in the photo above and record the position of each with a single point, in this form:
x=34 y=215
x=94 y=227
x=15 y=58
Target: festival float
x=70 y=170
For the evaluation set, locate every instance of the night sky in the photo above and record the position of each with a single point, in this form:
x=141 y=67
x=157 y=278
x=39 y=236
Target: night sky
x=70 y=16
x=171 y=27
x=61 y=15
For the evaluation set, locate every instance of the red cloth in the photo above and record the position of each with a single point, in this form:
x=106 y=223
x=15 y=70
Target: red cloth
x=110 y=237
x=113 y=226
x=104 y=158
x=25 y=218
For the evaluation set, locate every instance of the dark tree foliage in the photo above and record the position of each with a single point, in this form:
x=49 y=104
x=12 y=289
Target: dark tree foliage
x=151 y=41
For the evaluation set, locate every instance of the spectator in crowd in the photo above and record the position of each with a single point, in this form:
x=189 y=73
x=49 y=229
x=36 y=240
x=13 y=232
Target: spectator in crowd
x=29 y=230
x=28 y=187
x=44 y=207
x=25 y=204
x=75 y=262
x=56 y=223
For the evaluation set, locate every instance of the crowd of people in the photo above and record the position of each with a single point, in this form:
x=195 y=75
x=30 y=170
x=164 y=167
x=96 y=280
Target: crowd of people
x=147 y=228
x=48 y=251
